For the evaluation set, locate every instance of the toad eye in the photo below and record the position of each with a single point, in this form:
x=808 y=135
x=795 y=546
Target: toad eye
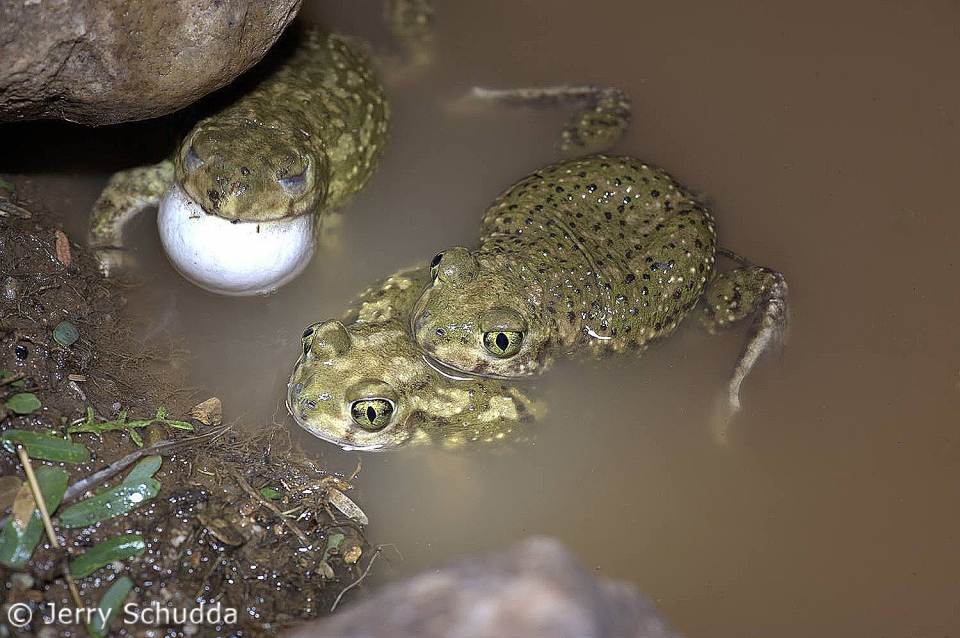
x=307 y=339
x=191 y=160
x=372 y=414
x=502 y=343
x=294 y=185
x=435 y=266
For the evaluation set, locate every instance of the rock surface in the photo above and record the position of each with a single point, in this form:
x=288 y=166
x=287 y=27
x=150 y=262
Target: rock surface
x=108 y=61
x=536 y=588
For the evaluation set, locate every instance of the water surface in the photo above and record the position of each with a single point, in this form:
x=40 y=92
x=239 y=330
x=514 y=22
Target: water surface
x=825 y=138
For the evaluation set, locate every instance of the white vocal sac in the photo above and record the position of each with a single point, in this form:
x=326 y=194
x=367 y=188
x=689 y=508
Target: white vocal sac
x=242 y=258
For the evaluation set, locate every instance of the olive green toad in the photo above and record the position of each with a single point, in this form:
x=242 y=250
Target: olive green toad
x=363 y=384
x=588 y=256
x=244 y=197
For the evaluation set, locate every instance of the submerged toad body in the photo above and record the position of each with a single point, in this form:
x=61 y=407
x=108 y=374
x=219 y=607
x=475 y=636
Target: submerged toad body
x=243 y=200
x=595 y=255
x=363 y=383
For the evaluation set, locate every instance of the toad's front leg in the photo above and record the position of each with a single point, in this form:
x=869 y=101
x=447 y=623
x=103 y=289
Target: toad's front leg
x=126 y=195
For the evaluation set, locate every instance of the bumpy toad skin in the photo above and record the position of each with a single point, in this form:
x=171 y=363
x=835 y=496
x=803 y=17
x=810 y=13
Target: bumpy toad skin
x=306 y=136
x=589 y=256
x=301 y=142
x=596 y=254
x=363 y=383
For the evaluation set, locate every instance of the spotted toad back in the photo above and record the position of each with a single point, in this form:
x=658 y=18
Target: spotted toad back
x=597 y=254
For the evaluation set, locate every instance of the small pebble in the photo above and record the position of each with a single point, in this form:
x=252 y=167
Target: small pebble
x=63 y=248
x=352 y=555
x=11 y=288
x=210 y=412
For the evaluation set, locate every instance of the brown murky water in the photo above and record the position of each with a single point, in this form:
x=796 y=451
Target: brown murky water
x=825 y=136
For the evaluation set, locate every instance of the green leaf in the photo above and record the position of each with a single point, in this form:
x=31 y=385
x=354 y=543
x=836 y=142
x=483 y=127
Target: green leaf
x=102 y=554
x=179 y=425
x=46 y=446
x=23 y=403
x=114 y=502
x=66 y=334
x=143 y=470
x=334 y=541
x=120 y=423
x=110 y=606
x=7 y=184
x=18 y=384
x=272 y=494
x=16 y=546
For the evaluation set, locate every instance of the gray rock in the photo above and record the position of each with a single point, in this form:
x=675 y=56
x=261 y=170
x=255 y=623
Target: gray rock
x=536 y=588
x=108 y=61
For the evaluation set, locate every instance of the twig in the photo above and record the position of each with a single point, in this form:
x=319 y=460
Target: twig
x=163 y=447
x=47 y=523
x=376 y=552
x=356 y=471
x=273 y=508
x=206 y=577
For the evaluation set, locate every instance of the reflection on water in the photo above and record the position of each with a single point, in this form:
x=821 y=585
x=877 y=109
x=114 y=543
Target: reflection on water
x=825 y=138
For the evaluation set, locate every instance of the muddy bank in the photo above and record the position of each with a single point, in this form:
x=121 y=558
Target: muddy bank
x=229 y=521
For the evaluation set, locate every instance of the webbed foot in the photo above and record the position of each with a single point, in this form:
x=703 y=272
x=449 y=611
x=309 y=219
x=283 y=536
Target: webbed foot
x=732 y=296
x=113 y=260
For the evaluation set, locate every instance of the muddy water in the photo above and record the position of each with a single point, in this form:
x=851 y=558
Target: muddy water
x=826 y=139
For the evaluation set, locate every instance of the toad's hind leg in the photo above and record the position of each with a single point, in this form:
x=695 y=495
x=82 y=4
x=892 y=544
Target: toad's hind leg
x=596 y=127
x=748 y=291
x=126 y=194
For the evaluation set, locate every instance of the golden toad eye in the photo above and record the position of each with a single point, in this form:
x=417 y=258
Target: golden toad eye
x=372 y=414
x=502 y=343
x=435 y=266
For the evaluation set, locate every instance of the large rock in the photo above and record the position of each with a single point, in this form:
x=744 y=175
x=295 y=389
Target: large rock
x=108 y=61
x=534 y=589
